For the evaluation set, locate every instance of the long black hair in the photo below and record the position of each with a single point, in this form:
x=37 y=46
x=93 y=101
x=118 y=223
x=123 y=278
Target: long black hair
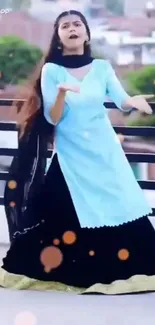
x=28 y=119
x=31 y=108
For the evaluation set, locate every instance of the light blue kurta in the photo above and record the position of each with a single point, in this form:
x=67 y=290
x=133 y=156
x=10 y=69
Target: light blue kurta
x=102 y=185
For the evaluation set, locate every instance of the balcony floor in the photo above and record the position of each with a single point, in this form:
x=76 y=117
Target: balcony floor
x=49 y=308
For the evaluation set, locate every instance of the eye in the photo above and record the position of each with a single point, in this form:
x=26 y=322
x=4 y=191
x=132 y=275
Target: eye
x=77 y=24
x=64 y=26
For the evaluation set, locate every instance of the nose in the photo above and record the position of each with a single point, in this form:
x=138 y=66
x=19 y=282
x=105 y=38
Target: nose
x=72 y=29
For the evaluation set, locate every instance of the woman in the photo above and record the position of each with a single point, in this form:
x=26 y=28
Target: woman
x=84 y=226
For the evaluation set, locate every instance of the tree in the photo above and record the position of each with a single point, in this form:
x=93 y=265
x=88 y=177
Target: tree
x=18 y=59
x=20 y=4
x=15 y=4
x=143 y=120
x=142 y=81
x=4 y=4
x=115 y=6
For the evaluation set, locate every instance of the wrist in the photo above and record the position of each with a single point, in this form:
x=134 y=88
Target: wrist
x=128 y=104
x=62 y=92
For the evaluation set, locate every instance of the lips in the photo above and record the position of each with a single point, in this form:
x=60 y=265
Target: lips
x=73 y=36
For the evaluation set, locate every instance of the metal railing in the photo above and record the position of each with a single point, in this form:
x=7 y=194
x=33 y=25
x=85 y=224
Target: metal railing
x=130 y=131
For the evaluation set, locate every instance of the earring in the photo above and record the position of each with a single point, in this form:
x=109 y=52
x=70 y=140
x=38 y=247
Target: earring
x=59 y=46
x=87 y=43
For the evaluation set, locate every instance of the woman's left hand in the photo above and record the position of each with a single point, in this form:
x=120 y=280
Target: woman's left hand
x=140 y=102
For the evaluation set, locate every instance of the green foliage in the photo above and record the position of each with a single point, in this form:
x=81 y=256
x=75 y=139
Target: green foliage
x=97 y=55
x=143 y=120
x=18 y=59
x=15 y=4
x=115 y=6
x=142 y=81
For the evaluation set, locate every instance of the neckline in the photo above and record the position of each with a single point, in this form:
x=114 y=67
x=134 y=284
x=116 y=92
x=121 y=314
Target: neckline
x=72 y=61
x=86 y=75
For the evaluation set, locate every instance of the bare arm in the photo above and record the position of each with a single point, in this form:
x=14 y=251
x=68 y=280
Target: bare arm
x=121 y=98
x=53 y=94
x=56 y=110
x=139 y=102
x=53 y=97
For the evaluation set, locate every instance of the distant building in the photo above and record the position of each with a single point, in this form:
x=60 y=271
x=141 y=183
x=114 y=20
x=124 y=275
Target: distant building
x=137 y=51
x=48 y=10
x=125 y=41
x=138 y=7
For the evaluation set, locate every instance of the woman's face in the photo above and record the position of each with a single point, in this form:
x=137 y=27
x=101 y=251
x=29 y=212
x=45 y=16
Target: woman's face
x=72 y=33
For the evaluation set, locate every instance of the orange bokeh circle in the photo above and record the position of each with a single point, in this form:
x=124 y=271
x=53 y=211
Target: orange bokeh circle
x=123 y=254
x=56 y=242
x=12 y=184
x=91 y=253
x=69 y=237
x=51 y=257
x=12 y=204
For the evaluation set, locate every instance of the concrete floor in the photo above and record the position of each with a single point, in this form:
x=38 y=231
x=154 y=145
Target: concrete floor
x=47 y=308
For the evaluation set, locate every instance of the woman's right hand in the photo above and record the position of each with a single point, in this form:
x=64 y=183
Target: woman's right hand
x=67 y=87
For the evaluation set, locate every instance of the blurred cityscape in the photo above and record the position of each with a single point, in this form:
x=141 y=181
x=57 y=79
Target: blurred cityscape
x=122 y=31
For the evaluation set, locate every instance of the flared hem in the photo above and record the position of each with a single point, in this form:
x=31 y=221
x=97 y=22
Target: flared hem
x=135 y=284
x=61 y=255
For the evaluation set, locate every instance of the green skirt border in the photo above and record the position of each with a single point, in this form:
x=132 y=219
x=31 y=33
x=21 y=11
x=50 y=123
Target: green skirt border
x=135 y=284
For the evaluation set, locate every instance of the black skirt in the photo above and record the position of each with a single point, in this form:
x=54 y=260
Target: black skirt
x=58 y=249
